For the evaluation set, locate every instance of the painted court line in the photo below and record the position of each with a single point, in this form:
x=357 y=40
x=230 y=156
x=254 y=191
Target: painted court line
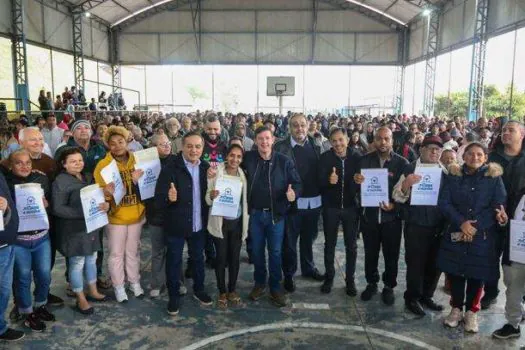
x=309 y=306
x=329 y=326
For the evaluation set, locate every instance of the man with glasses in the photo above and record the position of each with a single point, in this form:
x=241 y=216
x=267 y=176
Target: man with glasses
x=302 y=220
x=155 y=219
x=423 y=227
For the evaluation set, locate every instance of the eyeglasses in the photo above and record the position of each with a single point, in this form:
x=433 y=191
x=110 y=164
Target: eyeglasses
x=165 y=144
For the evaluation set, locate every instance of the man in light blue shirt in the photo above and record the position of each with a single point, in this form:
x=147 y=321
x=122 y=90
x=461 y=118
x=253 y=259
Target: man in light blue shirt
x=302 y=223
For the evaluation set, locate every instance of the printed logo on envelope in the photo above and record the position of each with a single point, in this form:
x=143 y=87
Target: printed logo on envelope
x=226 y=197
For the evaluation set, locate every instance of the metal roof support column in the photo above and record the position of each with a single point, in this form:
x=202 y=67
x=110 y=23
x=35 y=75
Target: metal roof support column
x=19 y=56
x=197 y=28
x=314 y=29
x=399 y=86
x=477 y=70
x=78 y=55
x=115 y=65
x=430 y=69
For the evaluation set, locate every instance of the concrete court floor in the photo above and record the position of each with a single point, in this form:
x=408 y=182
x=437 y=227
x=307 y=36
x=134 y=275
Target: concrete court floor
x=312 y=321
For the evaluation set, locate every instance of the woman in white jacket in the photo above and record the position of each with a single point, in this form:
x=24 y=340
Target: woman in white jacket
x=228 y=232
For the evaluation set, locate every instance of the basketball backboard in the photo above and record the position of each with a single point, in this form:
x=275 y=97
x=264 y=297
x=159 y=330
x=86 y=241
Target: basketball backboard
x=280 y=86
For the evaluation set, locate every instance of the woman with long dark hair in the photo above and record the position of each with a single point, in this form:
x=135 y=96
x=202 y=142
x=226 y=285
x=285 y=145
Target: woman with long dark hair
x=228 y=232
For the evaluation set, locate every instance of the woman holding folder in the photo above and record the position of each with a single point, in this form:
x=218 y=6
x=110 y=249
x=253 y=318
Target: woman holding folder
x=228 y=231
x=32 y=247
x=125 y=218
x=76 y=244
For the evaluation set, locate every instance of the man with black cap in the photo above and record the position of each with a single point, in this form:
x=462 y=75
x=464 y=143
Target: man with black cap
x=423 y=227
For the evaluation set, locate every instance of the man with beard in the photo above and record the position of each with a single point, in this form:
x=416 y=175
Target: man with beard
x=301 y=223
x=510 y=154
x=214 y=152
x=214 y=147
x=381 y=226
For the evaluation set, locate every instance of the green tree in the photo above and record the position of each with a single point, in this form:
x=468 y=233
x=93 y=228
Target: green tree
x=495 y=103
x=196 y=93
x=457 y=104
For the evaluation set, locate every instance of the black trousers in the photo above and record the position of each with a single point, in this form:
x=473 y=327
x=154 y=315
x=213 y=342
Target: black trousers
x=473 y=295
x=100 y=253
x=300 y=226
x=421 y=249
x=228 y=253
x=388 y=237
x=332 y=217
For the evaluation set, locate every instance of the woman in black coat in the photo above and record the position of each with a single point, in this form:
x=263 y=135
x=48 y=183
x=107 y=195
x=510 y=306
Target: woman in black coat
x=76 y=244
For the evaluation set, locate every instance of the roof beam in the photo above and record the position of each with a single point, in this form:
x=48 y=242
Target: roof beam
x=170 y=5
x=368 y=11
x=90 y=4
x=122 y=6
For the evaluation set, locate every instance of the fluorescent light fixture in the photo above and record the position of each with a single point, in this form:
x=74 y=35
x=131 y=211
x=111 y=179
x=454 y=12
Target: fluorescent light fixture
x=427 y=12
x=138 y=12
x=371 y=8
x=87 y=14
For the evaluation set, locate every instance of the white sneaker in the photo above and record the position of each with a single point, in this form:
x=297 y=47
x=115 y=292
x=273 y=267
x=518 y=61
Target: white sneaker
x=183 y=290
x=120 y=294
x=136 y=289
x=471 y=322
x=154 y=293
x=454 y=318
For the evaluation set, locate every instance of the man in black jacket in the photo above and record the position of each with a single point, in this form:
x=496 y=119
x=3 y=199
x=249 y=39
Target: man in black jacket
x=273 y=183
x=424 y=225
x=381 y=226
x=180 y=194
x=302 y=221
x=336 y=171
x=7 y=258
x=510 y=154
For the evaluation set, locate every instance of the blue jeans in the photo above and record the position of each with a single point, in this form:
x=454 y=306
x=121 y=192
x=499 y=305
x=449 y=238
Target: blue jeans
x=265 y=233
x=35 y=257
x=175 y=246
x=302 y=226
x=7 y=259
x=81 y=267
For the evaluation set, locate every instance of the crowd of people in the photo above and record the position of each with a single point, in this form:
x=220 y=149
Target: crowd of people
x=74 y=100
x=293 y=169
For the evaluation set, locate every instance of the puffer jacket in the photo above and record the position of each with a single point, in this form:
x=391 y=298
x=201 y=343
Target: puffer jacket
x=471 y=197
